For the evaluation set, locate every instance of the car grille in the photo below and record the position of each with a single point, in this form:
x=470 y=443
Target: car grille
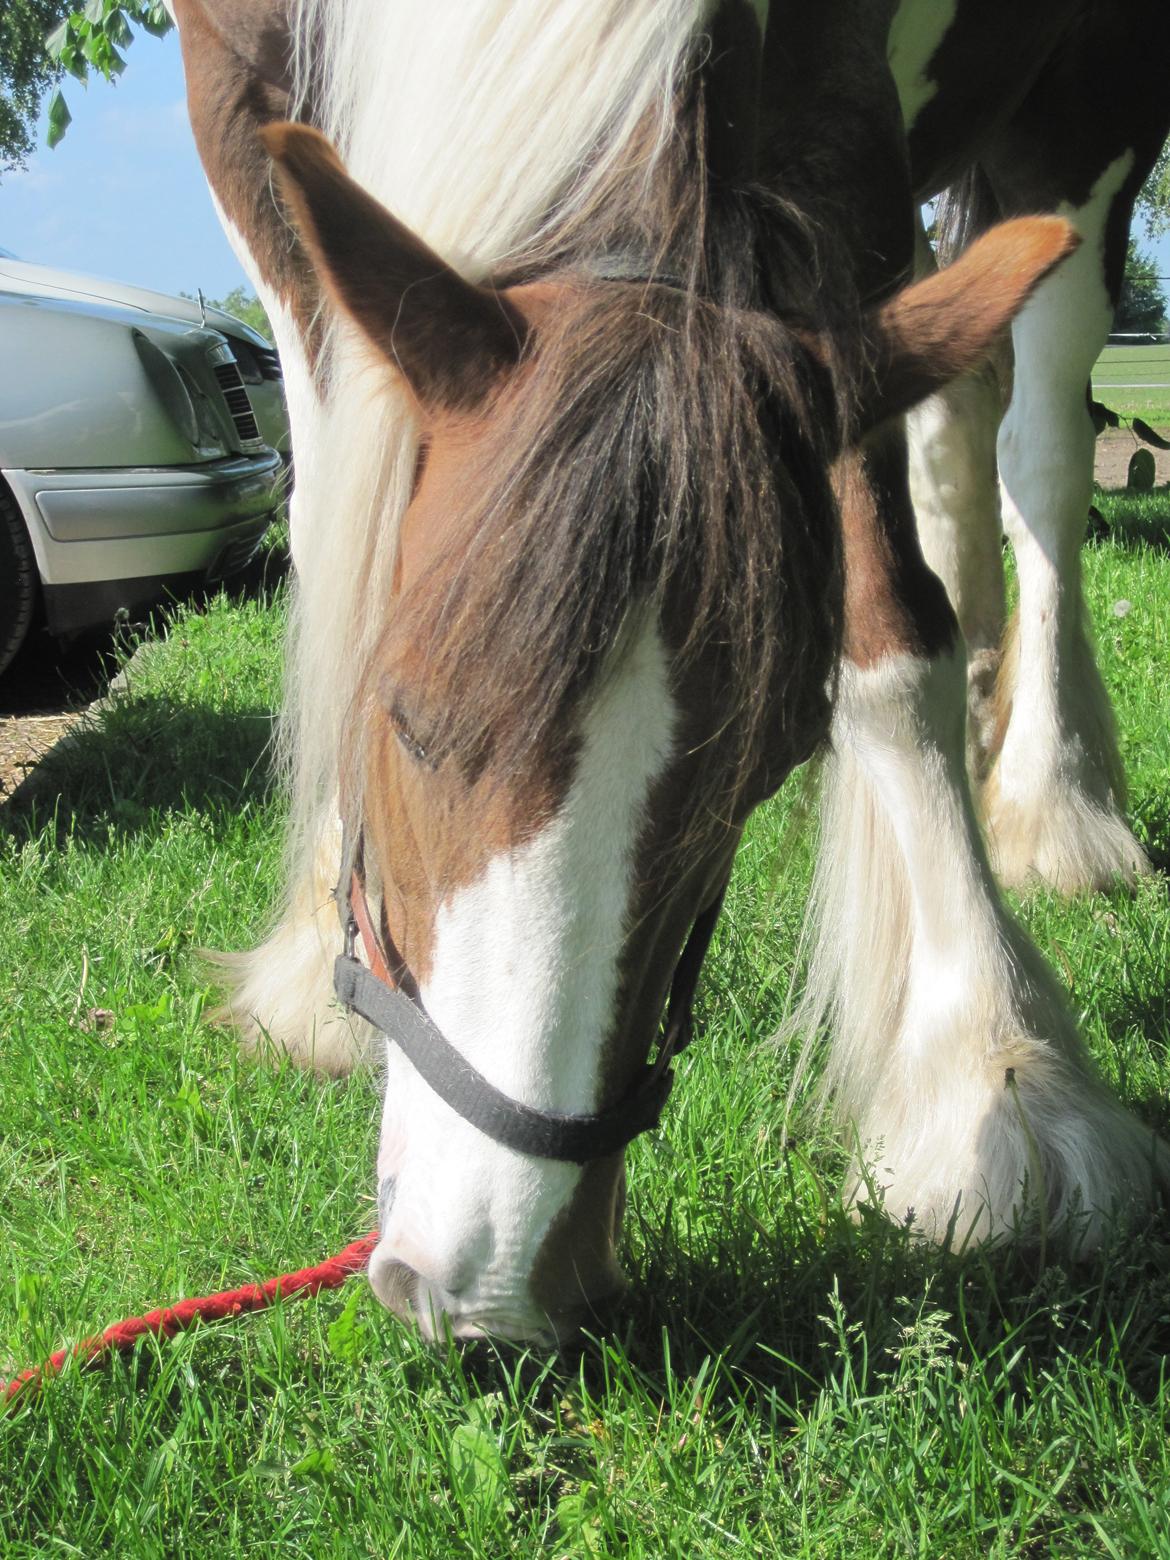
x=236 y=396
x=269 y=362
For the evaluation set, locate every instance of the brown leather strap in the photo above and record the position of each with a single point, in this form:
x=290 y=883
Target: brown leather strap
x=360 y=906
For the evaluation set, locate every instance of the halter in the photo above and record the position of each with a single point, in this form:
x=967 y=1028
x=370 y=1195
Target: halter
x=386 y=994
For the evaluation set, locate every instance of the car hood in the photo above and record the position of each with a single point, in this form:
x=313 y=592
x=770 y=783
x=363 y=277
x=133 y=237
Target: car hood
x=47 y=282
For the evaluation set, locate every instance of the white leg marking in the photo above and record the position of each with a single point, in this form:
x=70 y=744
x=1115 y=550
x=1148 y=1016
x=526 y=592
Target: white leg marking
x=523 y=982
x=951 y=440
x=955 y=1064
x=953 y=484
x=1057 y=793
x=916 y=31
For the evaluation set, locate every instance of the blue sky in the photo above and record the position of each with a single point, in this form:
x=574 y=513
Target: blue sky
x=123 y=195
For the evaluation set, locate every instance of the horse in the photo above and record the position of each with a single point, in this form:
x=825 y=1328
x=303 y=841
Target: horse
x=597 y=345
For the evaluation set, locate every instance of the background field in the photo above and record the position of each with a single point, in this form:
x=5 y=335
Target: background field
x=1135 y=381
x=778 y=1382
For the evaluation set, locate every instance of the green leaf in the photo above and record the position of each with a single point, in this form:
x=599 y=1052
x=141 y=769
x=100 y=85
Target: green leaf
x=485 y=1411
x=319 y=1464
x=74 y=62
x=347 y=1335
x=1142 y=471
x=156 y=20
x=56 y=40
x=188 y=1102
x=95 y=12
x=478 y=1470
x=579 y=1518
x=59 y=118
x=118 y=30
x=29 y=1289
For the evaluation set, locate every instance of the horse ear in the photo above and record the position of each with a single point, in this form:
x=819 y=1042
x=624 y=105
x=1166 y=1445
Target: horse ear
x=450 y=339
x=937 y=329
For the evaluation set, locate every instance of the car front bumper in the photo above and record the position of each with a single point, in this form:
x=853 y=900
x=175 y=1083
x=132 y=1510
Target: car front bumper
x=129 y=538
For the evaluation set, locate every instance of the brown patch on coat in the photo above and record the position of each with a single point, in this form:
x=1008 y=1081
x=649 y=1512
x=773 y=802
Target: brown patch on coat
x=894 y=603
x=260 y=33
x=232 y=93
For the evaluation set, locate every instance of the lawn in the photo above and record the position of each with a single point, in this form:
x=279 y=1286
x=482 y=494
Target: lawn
x=1135 y=381
x=779 y=1381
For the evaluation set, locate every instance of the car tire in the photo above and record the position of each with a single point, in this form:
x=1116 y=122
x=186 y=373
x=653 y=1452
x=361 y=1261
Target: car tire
x=18 y=579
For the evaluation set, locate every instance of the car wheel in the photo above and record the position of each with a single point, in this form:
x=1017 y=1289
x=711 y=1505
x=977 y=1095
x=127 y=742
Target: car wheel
x=18 y=579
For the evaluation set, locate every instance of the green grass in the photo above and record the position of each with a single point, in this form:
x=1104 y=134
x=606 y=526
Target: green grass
x=1135 y=381
x=778 y=1382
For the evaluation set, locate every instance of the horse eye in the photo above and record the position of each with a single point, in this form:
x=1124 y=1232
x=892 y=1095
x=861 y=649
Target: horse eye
x=406 y=736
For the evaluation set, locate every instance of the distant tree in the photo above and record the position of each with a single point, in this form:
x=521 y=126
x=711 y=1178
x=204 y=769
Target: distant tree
x=42 y=40
x=242 y=305
x=26 y=72
x=1153 y=202
x=1142 y=305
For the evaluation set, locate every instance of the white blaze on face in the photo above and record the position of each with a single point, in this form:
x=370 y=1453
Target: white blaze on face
x=916 y=31
x=523 y=983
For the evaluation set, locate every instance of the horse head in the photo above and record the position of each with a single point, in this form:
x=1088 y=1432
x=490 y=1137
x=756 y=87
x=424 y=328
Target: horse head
x=612 y=630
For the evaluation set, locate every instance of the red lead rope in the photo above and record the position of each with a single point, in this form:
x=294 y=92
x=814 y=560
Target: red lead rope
x=172 y=1319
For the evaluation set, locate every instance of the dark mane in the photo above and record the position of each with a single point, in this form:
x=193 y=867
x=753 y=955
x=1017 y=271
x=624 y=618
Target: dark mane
x=670 y=450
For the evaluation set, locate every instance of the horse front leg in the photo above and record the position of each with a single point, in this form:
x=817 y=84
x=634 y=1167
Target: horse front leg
x=954 y=1063
x=952 y=439
x=1056 y=795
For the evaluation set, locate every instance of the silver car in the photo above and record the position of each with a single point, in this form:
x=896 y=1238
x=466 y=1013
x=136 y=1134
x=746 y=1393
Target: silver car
x=143 y=440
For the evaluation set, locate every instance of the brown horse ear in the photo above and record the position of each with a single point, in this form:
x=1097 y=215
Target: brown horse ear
x=937 y=329
x=451 y=339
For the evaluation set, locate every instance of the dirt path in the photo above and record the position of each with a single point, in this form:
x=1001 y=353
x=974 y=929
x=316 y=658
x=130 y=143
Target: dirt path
x=42 y=697
x=1114 y=448
x=24 y=739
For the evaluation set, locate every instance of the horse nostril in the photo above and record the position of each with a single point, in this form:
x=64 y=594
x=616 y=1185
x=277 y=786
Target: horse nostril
x=413 y=1297
x=392 y=1281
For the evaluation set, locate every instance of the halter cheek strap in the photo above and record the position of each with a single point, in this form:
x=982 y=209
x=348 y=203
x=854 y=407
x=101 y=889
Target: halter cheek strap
x=386 y=996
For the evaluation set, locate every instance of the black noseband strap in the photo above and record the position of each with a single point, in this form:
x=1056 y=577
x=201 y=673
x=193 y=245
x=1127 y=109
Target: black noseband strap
x=391 y=1003
x=545 y=1134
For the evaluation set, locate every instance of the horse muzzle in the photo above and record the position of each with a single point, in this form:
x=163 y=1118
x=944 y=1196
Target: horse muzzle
x=439 y=1312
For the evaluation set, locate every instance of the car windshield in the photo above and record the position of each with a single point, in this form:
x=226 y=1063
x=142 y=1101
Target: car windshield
x=6 y=254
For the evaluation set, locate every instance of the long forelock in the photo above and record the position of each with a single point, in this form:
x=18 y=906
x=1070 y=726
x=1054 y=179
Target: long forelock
x=664 y=446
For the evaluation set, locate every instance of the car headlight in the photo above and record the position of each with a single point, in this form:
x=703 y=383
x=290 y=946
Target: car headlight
x=167 y=383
